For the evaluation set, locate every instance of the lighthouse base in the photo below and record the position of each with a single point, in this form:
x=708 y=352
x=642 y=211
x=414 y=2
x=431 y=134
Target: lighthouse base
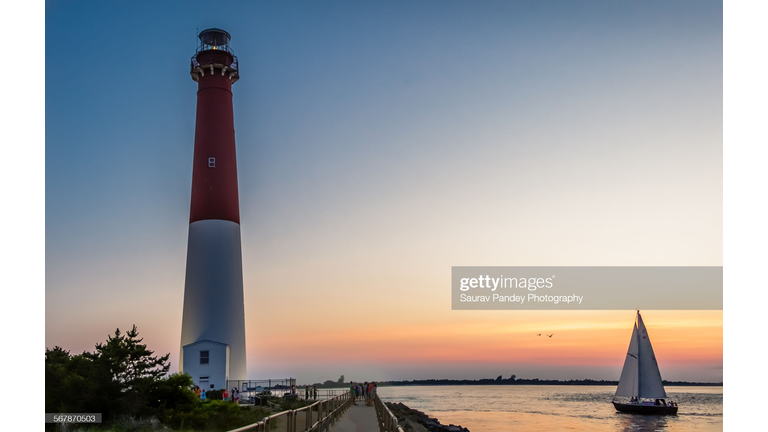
x=207 y=362
x=213 y=298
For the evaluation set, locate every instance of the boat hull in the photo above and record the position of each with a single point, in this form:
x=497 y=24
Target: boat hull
x=646 y=409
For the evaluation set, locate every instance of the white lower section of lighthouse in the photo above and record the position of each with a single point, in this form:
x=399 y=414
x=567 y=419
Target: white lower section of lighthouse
x=213 y=322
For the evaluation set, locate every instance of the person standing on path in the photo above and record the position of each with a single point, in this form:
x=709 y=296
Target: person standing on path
x=352 y=392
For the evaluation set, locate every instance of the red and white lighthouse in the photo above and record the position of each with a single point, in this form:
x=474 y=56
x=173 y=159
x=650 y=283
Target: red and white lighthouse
x=213 y=322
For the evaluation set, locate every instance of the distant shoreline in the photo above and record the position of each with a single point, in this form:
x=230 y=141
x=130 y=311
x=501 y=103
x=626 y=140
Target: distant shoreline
x=510 y=381
x=532 y=382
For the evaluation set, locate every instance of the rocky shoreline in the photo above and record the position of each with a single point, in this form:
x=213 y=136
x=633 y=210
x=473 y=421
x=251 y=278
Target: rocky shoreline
x=412 y=420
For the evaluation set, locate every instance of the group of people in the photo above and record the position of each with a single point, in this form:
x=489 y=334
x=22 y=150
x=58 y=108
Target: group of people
x=225 y=395
x=657 y=402
x=366 y=390
x=310 y=392
x=662 y=402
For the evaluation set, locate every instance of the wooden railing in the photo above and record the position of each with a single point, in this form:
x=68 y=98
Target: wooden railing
x=328 y=411
x=386 y=420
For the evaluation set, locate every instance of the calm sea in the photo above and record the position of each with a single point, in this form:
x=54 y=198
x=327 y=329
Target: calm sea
x=556 y=408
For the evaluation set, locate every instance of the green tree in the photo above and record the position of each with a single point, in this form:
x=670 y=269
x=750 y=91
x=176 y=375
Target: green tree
x=57 y=362
x=171 y=400
x=120 y=377
x=129 y=361
x=133 y=370
x=73 y=383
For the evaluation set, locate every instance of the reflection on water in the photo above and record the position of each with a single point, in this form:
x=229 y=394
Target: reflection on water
x=555 y=408
x=642 y=423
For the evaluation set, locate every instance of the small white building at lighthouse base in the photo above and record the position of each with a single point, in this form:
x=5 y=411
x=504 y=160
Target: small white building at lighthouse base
x=208 y=364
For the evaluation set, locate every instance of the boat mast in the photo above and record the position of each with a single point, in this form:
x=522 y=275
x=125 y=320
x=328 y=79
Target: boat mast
x=636 y=335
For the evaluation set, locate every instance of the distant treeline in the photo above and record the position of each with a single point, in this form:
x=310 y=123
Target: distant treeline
x=534 y=381
x=512 y=380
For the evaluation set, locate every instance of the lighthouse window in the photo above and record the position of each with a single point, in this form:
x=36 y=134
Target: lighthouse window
x=211 y=162
x=203 y=357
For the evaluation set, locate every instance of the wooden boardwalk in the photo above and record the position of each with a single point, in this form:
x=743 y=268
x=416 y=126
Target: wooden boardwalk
x=358 y=418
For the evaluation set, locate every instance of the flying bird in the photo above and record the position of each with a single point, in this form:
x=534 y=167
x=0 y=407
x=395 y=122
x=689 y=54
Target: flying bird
x=551 y=335
x=538 y=334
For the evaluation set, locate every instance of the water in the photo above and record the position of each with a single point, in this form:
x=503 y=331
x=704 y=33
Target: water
x=556 y=408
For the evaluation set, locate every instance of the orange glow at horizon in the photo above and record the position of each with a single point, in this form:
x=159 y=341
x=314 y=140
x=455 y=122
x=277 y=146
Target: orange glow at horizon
x=598 y=338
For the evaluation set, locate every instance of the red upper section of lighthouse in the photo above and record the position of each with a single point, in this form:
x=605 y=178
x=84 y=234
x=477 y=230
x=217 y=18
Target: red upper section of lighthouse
x=214 y=172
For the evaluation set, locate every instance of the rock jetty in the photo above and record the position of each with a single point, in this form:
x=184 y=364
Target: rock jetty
x=412 y=420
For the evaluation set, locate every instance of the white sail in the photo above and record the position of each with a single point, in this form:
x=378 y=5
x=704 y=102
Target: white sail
x=648 y=369
x=629 y=382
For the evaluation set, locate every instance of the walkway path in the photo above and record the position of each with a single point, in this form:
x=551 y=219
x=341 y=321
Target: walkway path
x=358 y=418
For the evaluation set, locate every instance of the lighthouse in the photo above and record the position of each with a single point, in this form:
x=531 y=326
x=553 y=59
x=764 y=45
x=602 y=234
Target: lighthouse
x=213 y=321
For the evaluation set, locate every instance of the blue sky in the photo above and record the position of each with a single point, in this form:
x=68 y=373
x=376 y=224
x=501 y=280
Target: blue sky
x=392 y=139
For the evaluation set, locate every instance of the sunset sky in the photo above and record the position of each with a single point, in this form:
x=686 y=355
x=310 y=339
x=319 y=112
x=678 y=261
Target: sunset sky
x=379 y=145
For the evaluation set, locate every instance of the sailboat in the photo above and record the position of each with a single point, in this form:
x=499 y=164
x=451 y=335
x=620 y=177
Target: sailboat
x=640 y=389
